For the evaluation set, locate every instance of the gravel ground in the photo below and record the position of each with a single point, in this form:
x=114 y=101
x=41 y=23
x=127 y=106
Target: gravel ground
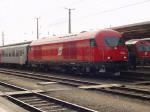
x=6 y=89
x=95 y=100
x=6 y=106
x=100 y=102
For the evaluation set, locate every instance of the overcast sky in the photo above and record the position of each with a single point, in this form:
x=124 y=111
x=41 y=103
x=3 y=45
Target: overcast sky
x=18 y=17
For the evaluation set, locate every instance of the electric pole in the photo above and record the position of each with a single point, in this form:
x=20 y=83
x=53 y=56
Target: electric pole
x=3 y=38
x=37 y=23
x=69 y=19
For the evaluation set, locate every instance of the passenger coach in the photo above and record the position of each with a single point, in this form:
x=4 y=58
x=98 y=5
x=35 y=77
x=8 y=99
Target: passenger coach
x=16 y=54
x=95 y=51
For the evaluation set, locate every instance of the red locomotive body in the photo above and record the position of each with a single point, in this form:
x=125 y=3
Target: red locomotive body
x=140 y=48
x=97 y=51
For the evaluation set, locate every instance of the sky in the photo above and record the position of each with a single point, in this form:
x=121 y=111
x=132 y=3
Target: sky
x=18 y=17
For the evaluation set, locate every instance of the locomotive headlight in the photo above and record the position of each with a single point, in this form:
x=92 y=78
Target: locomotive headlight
x=124 y=57
x=109 y=57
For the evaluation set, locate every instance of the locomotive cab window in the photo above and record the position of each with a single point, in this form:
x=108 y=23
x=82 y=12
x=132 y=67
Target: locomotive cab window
x=113 y=41
x=147 y=48
x=93 y=43
x=141 y=48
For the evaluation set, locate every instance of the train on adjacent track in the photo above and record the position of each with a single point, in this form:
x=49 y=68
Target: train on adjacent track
x=95 y=52
x=139 y=51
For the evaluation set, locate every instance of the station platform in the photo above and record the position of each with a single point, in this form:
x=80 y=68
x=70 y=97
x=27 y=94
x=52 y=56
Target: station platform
x=7 y=106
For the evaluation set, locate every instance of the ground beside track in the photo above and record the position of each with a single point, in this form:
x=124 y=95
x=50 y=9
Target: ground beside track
x=7 y=106
x=95 y=100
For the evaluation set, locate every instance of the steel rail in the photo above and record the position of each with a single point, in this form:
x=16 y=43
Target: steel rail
x=46 y=77
x=12 y=86
x=129 y=92
x=32 y=108
x=50 y=99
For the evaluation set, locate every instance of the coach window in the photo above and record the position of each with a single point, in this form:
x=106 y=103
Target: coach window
x=6 y=55
x=9 y=55
x=13 y=53
x=17 y=54
x=93 y=43
x=3 y=54
x=20 y=53
x=23 y=52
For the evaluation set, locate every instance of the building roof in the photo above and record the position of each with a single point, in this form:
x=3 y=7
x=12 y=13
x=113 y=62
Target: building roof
x=134 y=31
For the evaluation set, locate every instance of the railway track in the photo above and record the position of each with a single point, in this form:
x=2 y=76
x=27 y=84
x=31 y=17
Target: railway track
x=5 y=87
x=127 y=92
x=37 y=102
x=47 y=77
x=123 y=90
x=62 y=80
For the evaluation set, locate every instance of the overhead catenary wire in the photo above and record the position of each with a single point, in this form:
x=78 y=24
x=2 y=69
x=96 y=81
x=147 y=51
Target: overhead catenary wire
x=64 y=20
x=102 y=12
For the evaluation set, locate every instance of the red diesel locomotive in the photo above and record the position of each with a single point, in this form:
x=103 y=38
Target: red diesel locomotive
x=95 y=51
x=140 y=48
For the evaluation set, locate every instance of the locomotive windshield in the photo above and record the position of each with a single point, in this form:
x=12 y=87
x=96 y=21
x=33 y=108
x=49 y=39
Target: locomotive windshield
x=114 y=41
x=147 y=48
x=141 y=48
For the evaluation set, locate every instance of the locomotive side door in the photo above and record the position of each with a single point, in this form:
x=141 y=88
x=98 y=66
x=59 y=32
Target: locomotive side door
x=86 y=48
x=37 y=53
x=93 y=45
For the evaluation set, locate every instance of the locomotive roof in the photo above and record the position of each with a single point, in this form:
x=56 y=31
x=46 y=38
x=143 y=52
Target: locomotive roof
x=72 y=37
x=134 y=31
